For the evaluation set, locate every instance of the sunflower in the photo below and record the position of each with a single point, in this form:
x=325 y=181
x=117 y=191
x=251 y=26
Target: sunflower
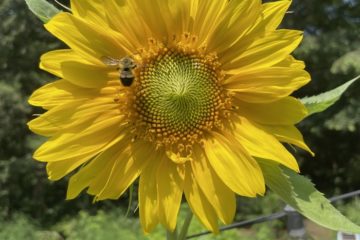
x=205 y=96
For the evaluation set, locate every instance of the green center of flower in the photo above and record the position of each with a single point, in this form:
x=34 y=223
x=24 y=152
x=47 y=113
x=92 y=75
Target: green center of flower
x=177 y=93
x=177 y=98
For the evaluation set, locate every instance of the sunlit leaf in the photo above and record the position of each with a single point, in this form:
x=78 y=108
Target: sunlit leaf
x=321 y=102
x=42 y=9
x=300 y=193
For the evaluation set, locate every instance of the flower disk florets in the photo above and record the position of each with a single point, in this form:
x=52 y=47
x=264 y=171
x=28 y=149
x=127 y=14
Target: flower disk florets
x=178 y=97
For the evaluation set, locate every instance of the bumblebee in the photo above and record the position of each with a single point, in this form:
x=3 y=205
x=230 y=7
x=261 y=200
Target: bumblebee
x=125 y=66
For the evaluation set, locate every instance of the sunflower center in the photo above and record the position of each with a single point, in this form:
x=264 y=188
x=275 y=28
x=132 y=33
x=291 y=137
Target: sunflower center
x=177 y=98
x=177 y=93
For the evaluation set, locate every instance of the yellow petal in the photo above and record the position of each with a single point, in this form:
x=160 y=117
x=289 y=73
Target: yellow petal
x=135 y=30
x=261 y=53
x=291 y=62
x=267 y=21
x=59 y=92
x=101 y=179
x=99 y=166
x=58 y=169
x=262 y=144
x=170 y=181
x=76 y=145
x=239 y=17
x=235 y=167
x=207 y=15
x=273 y=13
x=148 y=197
x=87 y=76
x=286 y=111
x=74 y=115
x=51 y=61
x=70 y=66
x=126 y=169
x=157 y=16
x=288 y=134
x=115 y=185
x=217 y=193
x=269 y=84
x=90 y=41
x=49 y=123
x=198 y=203
x=183 y=13
x=92 y=11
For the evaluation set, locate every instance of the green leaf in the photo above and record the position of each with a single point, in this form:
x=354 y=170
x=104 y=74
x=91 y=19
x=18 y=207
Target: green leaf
x=300 y=193
x=42 y=9
x=324 y=100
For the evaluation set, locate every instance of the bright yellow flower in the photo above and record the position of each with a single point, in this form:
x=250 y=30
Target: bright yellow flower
x=210 y=95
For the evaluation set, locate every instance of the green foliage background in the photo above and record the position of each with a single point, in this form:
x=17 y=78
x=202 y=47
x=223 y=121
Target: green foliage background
x=331 y=50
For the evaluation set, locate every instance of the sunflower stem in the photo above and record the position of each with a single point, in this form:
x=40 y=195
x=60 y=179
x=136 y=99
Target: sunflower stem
x=171 y=235
x=185 y=227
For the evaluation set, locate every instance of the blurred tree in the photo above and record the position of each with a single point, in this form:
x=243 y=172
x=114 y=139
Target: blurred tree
x=14 y=111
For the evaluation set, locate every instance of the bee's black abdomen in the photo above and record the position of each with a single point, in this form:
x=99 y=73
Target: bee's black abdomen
x=127 y=81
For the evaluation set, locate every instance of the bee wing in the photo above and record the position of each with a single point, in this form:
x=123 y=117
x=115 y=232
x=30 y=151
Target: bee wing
x=126 y=74
x=110 y=61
